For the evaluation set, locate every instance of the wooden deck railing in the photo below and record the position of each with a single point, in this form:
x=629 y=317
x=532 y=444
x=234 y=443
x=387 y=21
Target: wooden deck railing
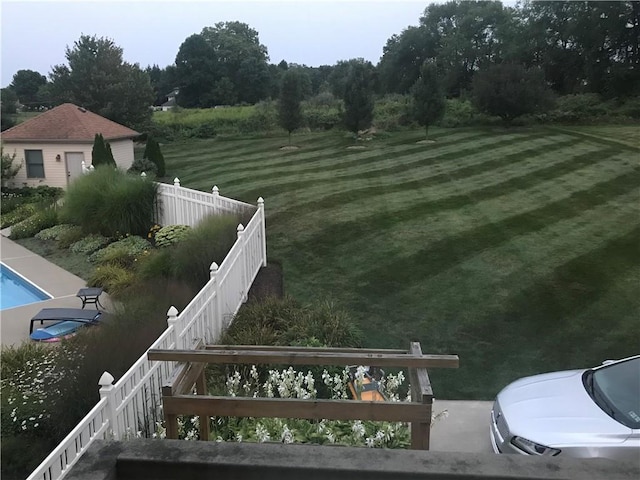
x=177 y=398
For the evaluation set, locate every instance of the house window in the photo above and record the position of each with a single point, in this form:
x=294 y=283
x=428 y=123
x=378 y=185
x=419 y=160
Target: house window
x=35 y=163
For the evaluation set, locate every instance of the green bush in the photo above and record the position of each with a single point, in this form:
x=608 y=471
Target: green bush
x=157 y=264
x=20 y=213
x=133 y=246
x=321 y=117
x=45 y=218
x=145 y=165
x=462 y=113
x=170 y=235
x=113 y=278
x=89 y=244
x=275 y=321
x=69 y=237
x=54 y=232
x=208 y=242
x=111 y=203
x=392 y=112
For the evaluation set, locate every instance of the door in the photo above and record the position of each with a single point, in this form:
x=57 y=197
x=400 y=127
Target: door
x=74 y=165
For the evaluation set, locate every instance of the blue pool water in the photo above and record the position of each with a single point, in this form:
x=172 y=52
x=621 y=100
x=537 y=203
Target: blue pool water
x=16 y=291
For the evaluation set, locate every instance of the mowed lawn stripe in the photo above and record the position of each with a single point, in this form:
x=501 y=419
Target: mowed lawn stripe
x=327 y=162
x=480 y=286
x=410 y=236
x=224 y=152
x=525 y=259
x=442 y=255
x=333 y=234
x=426 y=173
x=403 y=161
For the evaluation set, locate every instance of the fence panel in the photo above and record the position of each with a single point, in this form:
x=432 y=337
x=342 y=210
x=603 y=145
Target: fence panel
x=95 y=425
x=137 y=394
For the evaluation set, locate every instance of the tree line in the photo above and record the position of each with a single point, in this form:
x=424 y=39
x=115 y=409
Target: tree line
x=567 y=47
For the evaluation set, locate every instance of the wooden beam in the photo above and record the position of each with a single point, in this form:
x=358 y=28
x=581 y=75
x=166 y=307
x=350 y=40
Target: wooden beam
x=311 y=350
x=294 y=408
x=305 y=358
x=420 y=392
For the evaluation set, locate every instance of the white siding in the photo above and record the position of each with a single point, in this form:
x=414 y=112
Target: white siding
x=55 y=171
x=122 y=152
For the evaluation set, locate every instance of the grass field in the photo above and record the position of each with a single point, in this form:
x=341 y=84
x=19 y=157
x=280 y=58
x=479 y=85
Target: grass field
x=516 y=249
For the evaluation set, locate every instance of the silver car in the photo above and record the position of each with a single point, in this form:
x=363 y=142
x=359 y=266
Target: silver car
x=575 y=413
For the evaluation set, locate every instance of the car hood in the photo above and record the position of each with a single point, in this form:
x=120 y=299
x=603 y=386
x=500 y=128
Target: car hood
x=554 y=409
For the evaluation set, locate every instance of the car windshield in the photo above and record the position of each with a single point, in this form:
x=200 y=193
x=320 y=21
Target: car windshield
x=616 y=390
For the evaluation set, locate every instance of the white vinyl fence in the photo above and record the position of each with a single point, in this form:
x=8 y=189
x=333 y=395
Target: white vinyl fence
x=131 y=406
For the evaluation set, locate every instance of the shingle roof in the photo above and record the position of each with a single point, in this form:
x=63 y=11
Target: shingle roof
x=67 y=122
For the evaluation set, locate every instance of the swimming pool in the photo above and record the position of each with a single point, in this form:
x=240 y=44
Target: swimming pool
x=15 y=290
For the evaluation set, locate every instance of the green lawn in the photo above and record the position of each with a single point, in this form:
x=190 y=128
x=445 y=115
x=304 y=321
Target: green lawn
x=516 y=249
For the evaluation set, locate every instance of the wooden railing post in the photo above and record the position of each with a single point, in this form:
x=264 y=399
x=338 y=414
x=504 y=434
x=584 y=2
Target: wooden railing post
x=263 y=231
x=201 y=389
x=420 y=392
x=170 y=419
x=107 y=390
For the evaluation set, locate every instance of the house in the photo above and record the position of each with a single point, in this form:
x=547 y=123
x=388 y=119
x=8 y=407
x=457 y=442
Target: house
x=171 y=100
x=53 y=145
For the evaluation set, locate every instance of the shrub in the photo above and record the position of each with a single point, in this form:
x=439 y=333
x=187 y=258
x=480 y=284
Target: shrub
x=69 y=237
x=171 y=234
x=110 y=202
x=45 y=218
x=145 y=165
x=115 y=279
x=392 y=112
x=55 y=232
x=89 y=244
x=133 y=246
x=157 y=264
x=22 y=212
x=276 y=321
x=208 y=242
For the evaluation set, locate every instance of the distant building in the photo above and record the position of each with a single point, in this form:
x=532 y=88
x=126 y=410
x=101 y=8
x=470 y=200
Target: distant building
x=53 y=145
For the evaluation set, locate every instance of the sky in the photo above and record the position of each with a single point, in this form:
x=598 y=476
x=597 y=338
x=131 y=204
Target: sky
x=35 y=34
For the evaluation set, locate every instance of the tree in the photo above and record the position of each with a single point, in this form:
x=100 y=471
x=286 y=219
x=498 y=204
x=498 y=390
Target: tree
x=289 y=110
x=98 y=79
x=26 y=84
x=428 y=98
x=509 y=90
x=101 y=152
x=358 y=98
x=9 y=170
x=9 y=101
x=152 y=153
x=222 y=65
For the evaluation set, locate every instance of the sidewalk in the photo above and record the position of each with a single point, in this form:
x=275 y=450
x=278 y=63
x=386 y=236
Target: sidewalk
x=62 y=285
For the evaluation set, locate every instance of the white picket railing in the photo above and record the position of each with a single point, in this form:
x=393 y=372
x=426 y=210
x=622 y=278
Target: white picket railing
x=131 y=406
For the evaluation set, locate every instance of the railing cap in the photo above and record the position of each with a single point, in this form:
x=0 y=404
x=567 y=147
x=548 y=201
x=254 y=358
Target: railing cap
x=172 y=312
x=106 y=380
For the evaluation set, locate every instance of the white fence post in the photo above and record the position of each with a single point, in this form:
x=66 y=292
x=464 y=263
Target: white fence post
x=217 y=305
x=143 y=175
x=107 y=390
x=216 y=195
x=263 y=231
x=177 y=202
x=245 y=276
x=172 y=321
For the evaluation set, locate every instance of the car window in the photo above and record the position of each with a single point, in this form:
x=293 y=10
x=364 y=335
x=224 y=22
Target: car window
x=616 y=389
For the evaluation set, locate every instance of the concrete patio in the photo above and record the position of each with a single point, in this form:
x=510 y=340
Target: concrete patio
x=60 y=284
